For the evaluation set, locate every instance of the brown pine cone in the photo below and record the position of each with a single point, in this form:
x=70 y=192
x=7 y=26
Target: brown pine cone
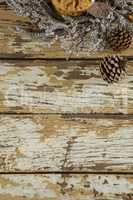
x=119 y=38
x=112 y=68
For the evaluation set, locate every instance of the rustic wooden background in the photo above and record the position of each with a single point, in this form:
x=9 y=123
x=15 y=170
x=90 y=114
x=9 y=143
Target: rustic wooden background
x=64 y=134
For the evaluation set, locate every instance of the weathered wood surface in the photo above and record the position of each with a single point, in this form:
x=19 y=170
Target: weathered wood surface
x=48 y=143
x=66 y=187
x=44 y=140
x=57 y=86
x=19 y=39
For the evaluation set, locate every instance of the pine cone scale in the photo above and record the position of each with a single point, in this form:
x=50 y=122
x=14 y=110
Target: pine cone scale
x=119 y=38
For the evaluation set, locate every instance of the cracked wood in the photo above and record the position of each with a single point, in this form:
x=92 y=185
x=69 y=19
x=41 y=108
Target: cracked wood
x=42 y=143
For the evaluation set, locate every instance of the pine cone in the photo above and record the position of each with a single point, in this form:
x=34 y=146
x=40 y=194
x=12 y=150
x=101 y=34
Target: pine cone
x=119 y=38
x=112 y=68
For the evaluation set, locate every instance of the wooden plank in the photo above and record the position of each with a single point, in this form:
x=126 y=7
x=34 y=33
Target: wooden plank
x=58 y=86
x=45 y=143
x=66 y=187
x=18 y=38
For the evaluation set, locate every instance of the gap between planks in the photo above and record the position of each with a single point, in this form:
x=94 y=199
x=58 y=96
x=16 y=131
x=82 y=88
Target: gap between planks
x=23 y=58
x=66 y=173
x=75 y=115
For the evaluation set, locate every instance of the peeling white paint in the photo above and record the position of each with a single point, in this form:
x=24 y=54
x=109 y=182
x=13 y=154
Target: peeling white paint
x=77 y=186
x=20 y=89
x=4 y=71
x=28 y=186
x=89 y=149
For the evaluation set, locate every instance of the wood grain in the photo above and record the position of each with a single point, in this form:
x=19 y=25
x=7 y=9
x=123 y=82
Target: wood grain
x=19 y=39
x=47 y=125
x=59 y=87
x=45 y=143
x=66 y=187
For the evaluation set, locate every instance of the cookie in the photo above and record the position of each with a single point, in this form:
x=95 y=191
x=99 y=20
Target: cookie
x=72 y=7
